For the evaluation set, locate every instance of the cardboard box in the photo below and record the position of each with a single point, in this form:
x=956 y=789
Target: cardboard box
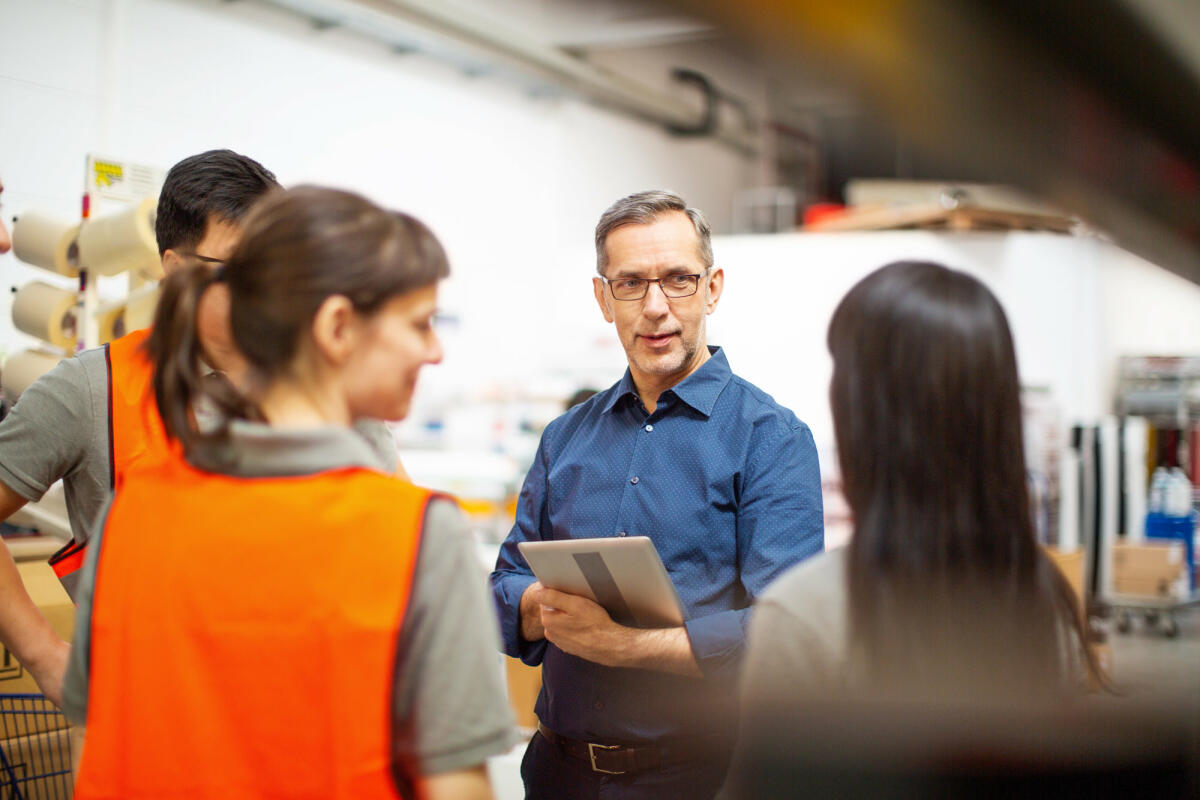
x=32 y=548
x=1153 y=570
x=1145 y=586
x=524 y=683
x=43 y=765
x=1071 y=566
x=48 y=594
x=1152 y=558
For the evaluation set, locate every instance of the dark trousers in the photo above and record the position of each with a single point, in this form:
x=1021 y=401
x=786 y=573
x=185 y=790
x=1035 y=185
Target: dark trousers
x=550 y=775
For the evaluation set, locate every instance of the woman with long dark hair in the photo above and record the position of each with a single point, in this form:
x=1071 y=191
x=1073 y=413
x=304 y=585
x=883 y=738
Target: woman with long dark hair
x=275 y=614
x=942 y=595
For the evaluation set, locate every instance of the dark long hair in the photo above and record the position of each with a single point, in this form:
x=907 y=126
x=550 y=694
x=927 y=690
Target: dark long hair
x=299 y=247
x=947 y=586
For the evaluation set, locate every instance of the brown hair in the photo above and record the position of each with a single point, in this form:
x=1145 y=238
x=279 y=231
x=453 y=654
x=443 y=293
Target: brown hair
x=945 y=579
x=300 y=247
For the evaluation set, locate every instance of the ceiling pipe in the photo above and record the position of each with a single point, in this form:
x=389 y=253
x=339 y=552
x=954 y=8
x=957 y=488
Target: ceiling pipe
x=466 y=39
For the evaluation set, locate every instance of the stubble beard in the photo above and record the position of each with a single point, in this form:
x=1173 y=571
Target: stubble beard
x=672 y=364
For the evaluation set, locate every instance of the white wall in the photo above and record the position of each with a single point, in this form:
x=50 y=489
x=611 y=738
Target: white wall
x=1074 y=305
x=508 y=181
x=1146 y=311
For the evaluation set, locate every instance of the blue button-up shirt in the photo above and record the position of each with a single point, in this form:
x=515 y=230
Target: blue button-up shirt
x=725 y=482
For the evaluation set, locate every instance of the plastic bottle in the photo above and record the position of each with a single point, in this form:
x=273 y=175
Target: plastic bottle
x=1179 y=495
x=1157 y=501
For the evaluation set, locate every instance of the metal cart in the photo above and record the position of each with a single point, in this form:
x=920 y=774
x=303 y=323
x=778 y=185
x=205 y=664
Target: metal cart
x=1158 y=613
x=35 y=752
x=1165 y=391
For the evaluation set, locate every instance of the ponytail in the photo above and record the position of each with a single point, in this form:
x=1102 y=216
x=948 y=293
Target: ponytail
x=298 y=248
x=180 y=378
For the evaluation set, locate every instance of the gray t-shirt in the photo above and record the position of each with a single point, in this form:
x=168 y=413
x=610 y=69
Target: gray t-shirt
x=799 y=641
x=799 y=650
x=449 y=697
x=59 y=429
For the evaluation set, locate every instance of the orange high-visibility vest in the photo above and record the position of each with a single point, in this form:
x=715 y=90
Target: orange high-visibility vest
x=246 y=648
x=135 y=430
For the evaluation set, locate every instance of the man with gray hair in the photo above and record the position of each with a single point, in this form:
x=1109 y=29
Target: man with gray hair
x=723 y=480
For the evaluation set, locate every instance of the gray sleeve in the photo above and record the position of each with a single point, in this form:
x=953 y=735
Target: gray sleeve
x=75 y=682
x=451 y=707
x=796 y=642
x=49 y=432
x=784 y=663
x=381 y=441
x=783 y=660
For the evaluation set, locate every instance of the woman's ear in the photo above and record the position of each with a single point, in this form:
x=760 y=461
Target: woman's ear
x=335 y=328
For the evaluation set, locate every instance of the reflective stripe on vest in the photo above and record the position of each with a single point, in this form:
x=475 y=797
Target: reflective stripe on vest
x=135 y=430
x=244 y=634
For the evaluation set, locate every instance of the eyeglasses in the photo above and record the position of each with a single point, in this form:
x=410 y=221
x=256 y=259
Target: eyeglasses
x=673 y=286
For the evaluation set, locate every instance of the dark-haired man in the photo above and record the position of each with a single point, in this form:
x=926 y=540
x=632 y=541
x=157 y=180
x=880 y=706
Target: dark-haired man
x=92 y=416
x=723 y=480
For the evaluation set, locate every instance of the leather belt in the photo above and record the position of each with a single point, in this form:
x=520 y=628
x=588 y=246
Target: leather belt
x=615 y=759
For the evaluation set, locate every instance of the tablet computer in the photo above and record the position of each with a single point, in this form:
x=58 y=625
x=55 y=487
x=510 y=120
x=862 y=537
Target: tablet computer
x=625 y=575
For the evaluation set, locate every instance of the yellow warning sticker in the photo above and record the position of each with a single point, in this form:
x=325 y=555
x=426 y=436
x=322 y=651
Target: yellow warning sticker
x=107 y=173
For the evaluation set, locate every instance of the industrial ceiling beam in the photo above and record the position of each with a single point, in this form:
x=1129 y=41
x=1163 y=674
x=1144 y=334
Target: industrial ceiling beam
x=476 y=42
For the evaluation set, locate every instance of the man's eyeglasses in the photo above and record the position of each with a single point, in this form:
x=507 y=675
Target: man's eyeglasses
x=673 y=286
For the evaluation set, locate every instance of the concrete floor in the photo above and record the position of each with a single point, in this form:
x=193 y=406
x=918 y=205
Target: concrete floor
x=1150 y=666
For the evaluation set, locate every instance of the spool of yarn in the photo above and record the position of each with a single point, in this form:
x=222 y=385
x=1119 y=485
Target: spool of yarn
x=22 y=369
x=47 y=242
x=139 y=310
x=111 y=325
x=124 y=241
x=48 y=313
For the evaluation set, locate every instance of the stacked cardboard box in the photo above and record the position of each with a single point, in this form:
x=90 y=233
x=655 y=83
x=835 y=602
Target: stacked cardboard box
x=524 y=683
x=1152 y=570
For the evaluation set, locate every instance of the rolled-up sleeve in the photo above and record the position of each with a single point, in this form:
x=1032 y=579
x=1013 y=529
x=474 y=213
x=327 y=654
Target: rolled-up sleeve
x=780 y=522
x=49 y=431
x=512 y=575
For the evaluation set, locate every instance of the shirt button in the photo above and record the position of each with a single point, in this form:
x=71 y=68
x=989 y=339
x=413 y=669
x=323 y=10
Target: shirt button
x=649 y=428
x=622 y=533
x=598 y=705
x=634 y=480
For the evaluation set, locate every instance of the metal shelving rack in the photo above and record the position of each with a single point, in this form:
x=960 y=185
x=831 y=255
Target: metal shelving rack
x=1165 y=390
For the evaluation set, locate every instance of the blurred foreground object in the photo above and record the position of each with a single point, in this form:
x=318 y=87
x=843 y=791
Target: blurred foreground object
x=1094 y=111
x=884 y=750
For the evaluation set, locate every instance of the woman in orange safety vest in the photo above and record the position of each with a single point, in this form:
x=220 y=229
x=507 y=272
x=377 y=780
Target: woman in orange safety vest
x=275 y=614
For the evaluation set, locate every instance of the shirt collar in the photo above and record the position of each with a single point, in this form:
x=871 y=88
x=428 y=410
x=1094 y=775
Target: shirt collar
x=699 y=390
x=255 y=449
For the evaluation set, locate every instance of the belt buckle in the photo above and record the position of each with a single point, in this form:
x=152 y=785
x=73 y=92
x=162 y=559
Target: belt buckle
x=593 y=747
